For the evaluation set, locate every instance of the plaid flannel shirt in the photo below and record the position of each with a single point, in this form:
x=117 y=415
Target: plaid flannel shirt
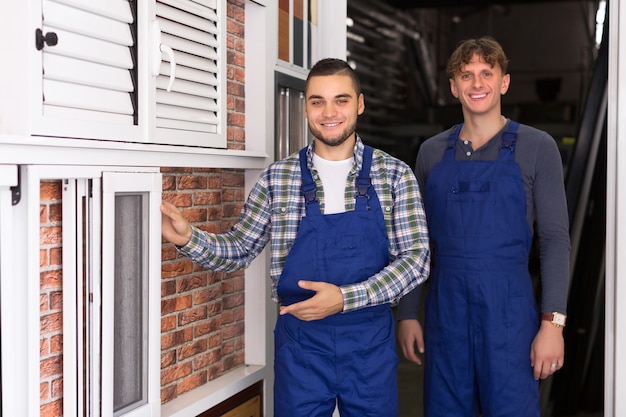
x=275 y=207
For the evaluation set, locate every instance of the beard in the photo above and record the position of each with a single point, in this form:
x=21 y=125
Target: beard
x=335 y=140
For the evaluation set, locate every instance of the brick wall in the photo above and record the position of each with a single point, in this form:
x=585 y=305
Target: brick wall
x=202 y=321
x=50 y=300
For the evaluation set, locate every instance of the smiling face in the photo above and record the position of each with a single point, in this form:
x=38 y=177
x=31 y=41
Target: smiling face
x=332 y=107
x=479 y=86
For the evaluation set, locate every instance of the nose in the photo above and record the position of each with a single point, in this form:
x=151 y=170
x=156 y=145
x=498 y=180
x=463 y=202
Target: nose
x=329 y=109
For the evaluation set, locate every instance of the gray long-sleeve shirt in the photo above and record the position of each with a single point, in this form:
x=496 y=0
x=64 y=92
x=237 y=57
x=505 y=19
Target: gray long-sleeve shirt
x=540 y=162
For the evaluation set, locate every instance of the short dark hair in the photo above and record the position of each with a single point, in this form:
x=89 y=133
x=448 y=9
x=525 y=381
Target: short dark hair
x=333 y=66
x=487 y=47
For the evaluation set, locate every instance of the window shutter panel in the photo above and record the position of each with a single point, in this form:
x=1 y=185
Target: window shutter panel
x=194 y=105
x=91 y=73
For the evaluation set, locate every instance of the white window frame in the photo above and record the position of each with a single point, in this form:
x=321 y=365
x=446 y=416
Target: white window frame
x=21 y=297
x=13 y=341
x=615 y=292
x=114 y=183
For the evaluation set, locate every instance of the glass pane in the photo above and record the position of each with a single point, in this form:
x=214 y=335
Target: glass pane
x=312 y=33
x=298 y=32
x=130 y=343
x=283 y=30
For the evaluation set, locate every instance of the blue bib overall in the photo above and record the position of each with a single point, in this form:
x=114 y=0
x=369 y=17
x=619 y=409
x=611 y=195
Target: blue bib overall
x=348 y=359
x=481 y=314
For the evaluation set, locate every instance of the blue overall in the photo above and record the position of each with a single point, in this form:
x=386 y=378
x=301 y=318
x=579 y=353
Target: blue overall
x=481 y=314
x=348 y=359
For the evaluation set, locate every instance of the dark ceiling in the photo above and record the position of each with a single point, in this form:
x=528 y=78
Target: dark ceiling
x=415 y=4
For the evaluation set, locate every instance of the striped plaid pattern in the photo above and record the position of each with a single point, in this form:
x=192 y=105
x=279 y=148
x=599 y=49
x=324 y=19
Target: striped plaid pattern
x=275 y=207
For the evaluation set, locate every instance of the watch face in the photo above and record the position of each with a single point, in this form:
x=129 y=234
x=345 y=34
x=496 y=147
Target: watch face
x=558 y=319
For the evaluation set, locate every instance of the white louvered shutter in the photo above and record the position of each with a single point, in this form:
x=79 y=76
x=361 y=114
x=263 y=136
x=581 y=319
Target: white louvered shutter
x=193 y=112
x=91 y=74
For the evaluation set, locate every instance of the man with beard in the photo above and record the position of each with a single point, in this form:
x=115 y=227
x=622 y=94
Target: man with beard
x=348 y=237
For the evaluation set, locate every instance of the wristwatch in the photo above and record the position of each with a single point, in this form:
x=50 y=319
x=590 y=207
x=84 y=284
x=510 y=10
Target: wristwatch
x=556 y=318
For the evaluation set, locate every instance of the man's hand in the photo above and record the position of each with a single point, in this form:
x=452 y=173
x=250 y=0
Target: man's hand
x=327 y=301
x=547 y=351
x=174 y=227
x=411 y=336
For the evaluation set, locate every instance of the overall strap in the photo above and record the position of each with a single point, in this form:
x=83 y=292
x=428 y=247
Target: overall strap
x=509 y=138
x=308 y=188
x=364 y=181
x=452 y=139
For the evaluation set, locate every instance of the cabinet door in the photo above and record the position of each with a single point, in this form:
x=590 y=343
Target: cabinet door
x=191 y=81
x=89 y=68
x=142 y=71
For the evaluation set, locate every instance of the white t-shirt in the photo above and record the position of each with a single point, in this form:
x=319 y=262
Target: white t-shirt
x=334 y=175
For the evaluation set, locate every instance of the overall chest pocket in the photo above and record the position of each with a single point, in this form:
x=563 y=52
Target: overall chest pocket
x=470 y=209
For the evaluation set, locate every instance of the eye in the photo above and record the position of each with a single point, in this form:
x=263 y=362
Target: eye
x=465 y=76
x=487 y=74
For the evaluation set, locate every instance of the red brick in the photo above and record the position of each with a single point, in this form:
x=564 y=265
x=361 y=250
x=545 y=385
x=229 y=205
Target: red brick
x=179 y=199
x=192 y=282
x=196 y=214
x=207 y=295
x=207 y=359
x=56 y=344
x=51 y=366
x=215 y=340
x=53 y=409
x=216 y=371
x=56 y=300
x=57 y=388
x=168 y=323
x=189 y=182
x=44 y=347
x=168 y=394
x=50 y=191
x=207 y=326
x=193 y=381
x=168 y=287
x=44 y=391
x=175 y=372
x=168 y=358
x=170 y=305
x=56 y=256
x=192 y=315
x=192 y=349
x=177 y=268
x=56 y=212
x=207 y=198
x=228 y=332
x=176 y=338
x=52 y=235
x=51 y=279
x=51 y=323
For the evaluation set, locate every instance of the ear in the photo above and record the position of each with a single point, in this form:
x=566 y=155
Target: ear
x=506 y=81
x=361 y=104
x=453 y=89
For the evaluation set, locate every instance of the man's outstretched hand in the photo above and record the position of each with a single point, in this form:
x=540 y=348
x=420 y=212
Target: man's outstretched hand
x=174 y=227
